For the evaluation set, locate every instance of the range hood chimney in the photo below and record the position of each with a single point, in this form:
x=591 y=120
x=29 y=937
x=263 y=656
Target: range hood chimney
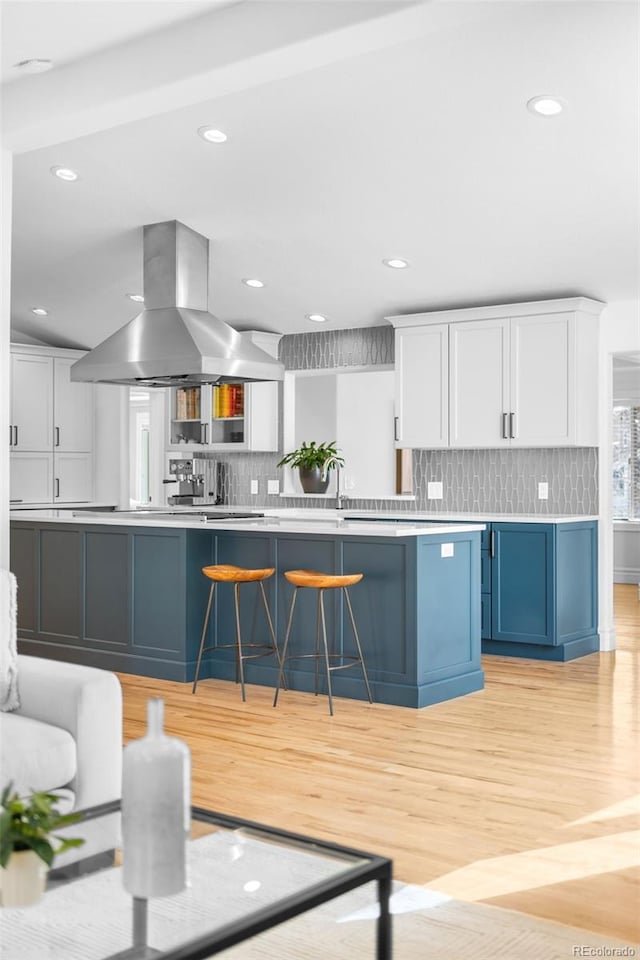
x=175 y=341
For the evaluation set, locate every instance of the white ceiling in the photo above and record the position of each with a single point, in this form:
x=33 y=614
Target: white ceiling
x=399 y=131
x=63 y=32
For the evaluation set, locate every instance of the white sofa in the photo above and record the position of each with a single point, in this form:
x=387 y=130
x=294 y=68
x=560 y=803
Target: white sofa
x=66 y=738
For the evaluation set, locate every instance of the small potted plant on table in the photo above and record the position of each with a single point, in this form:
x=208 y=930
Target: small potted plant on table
x=26 y=848
x=314 y=462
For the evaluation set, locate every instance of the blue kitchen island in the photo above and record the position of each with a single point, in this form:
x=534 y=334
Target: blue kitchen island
x=127 y=594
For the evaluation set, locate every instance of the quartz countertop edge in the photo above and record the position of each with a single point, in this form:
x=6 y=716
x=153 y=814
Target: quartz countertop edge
x=289 y=525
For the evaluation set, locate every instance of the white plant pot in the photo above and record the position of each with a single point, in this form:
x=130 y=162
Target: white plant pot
x=23 y=879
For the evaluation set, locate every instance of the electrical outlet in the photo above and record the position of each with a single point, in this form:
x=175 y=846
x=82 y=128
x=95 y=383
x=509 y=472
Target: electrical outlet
x=254 y=486
x=543 y=491
x=434 y=490
x=273 y=486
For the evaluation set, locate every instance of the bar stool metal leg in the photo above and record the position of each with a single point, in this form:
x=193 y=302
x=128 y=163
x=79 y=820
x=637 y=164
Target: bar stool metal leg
x=357 y=639
x=239 y=657
x=204 y=633
x=270 y=622
x=326 y=650
x=284 y=649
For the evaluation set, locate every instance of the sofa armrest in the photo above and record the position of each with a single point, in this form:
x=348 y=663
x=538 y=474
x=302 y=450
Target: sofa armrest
x=88 y=703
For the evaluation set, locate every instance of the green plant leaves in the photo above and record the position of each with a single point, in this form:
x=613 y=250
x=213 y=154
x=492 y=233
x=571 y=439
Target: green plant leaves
x=26 y=823
x=313 y=455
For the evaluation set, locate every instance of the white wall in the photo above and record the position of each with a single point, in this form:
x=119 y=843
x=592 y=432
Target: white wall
x=619 y=333
x=6 y=168
x=626 y=552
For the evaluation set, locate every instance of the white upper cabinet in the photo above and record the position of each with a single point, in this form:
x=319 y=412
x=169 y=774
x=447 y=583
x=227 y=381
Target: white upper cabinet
x=479 y=394
x=51 y=427
x=422 y=386
x=519 y=375
x=31 y=421
x=72 y=410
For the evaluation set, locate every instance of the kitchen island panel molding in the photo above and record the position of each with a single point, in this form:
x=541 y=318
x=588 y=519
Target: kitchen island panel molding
x=418 y=649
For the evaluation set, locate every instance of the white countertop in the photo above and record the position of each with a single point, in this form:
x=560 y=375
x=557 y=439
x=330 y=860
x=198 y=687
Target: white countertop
x=318 y=525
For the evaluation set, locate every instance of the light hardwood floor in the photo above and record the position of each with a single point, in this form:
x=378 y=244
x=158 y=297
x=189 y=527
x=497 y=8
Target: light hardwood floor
x=524 y=795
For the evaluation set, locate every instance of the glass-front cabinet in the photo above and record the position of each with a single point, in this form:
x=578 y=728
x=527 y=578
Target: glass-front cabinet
x=209 y=415
x=227 y=416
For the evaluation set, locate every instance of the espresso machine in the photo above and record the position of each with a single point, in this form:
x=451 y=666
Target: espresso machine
x=189 y=484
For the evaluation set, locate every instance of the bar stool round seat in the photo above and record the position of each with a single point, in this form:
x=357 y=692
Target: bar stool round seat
x=228 y=573
x=314 y=579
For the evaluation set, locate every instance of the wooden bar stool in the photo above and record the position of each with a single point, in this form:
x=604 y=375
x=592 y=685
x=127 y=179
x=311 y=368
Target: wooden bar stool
x=323 y=581
x=226 y=573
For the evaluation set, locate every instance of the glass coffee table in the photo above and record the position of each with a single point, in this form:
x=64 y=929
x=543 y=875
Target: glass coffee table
x=243 y=879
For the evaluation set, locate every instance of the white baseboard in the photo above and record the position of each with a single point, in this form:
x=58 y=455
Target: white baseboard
x=626 y=575
x=607 y=639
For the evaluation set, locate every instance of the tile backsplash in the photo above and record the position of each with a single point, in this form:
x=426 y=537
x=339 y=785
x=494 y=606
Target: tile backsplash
x=476 y=481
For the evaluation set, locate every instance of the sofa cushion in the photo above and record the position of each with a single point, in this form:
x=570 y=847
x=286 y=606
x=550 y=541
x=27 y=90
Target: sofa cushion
x=35 y=755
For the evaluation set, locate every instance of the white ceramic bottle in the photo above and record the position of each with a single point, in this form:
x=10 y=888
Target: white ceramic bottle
x=156 y=810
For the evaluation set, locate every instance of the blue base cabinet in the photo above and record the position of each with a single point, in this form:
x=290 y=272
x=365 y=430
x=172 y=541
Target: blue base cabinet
x=132 y=599
x=543 y=590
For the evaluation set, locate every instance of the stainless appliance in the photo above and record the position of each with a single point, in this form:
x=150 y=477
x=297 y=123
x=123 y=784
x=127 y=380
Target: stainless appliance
x=175 y=341
x=189 y=484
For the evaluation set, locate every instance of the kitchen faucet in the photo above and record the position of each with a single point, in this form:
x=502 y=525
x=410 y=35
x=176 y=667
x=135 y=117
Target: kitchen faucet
x=340 y=495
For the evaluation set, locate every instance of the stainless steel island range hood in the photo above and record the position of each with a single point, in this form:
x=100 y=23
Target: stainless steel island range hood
x=175 y=341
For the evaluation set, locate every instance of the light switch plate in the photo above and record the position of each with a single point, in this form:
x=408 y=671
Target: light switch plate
x=543 y=491
x=446 y=550
x=273 y=486
x=254 y=486
x=434 y=490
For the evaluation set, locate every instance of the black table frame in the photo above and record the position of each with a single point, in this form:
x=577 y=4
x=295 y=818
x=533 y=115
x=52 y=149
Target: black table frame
x=376 y=868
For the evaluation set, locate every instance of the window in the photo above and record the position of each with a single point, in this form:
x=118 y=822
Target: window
x=626 y=462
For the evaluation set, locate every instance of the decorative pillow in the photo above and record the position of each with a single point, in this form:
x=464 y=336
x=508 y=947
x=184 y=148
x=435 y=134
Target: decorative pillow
x=8 y=642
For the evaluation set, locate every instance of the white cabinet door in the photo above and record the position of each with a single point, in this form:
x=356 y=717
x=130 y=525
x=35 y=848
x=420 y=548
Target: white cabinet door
x=479 y=385
x=365 y=435
x=31 y=402
x=261 y=407
x=422 y=386
x=31 y=477
x=543 y=380
x=73 y=477
x=72 y=410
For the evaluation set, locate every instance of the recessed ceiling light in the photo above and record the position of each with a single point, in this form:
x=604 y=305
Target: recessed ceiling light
x=136 y=297
x=316 y=317
x=40 y=311
x=253 y=283
x=64 y=173
x=396 y=263
x=36 y=65
x=546 y=105
x=212 y=135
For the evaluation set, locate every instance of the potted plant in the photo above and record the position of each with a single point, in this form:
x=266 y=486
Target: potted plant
x=314 y=460
x=26 y=847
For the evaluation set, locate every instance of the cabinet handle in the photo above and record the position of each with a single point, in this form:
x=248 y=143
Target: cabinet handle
x=57 y=486
x=10 y=435
x=505 y=435
x=57 y=436
x=395 y=428
x=492 y=543
x=15 y=436
x=513 y=430
x=203 y=432
x=16 y=501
